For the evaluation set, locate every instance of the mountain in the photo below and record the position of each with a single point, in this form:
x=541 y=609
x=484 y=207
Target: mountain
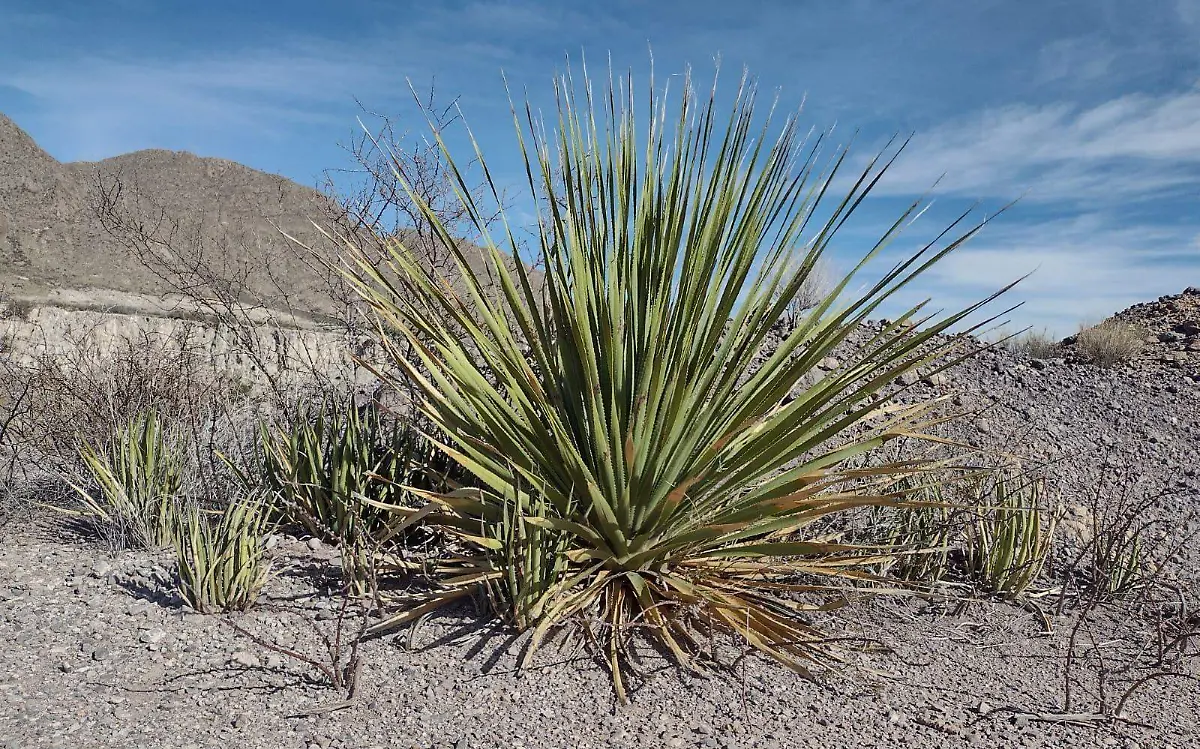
x=55 y=247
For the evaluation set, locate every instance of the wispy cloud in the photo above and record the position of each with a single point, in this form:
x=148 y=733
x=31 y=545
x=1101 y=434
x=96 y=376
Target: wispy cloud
x=104 y=106
x=1128 y=148
x=1080 y=60
x=1078 y=269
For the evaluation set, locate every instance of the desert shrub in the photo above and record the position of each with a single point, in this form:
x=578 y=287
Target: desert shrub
x=1036 y=345
x=1110 y=343
x=1124 y=540
x=919 y=533
x=84 y=392
x=18 y=309
x=1009 y=542
x=15 y=397
x=1117 y=566
x=816 y=287
x=642 y=467
x=138 y=478
x=219 y=561
x=337 y=471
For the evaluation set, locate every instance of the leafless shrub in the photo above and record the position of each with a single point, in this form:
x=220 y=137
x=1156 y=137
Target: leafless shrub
x=16 y=395
x=1111 y=670
x=245 y=290
x=1109 y=343
x=818 y=284
x=335 y=652
x=84 y=389
x=1115 y=652
x=1121 y=542
x=218 y=281
x=17 y=309
x=1135 y=621
x=377 y=209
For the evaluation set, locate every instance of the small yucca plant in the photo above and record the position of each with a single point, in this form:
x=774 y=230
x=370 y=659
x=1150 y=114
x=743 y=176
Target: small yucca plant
x=219 y=560
x=1118 y=565
x=336 y=473
x=139 y=476
x=918 y=531
x=641 y=465
x=1009 y=540
x=531 y=554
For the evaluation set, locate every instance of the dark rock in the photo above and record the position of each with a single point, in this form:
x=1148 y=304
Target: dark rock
x=1188 y=328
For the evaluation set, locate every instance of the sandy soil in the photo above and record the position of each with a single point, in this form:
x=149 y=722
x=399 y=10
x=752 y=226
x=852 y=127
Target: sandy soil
x=99 y=652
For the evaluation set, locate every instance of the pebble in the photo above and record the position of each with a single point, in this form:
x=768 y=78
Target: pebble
x=152 y=636
x=245 y=658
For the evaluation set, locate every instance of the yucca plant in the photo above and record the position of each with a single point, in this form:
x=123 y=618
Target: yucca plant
x=219 y=560
x=618 y=403
x=1009 y=540
x=139 y=476
x=1118 y=565
x=531 y=554
x=918 y=531
x=336 y=471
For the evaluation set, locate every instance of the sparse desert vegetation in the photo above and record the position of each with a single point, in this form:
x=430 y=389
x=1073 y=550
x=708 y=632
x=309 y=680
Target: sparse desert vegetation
x=677 y=485
x=1110 y=343
x=1035 y=344
x=18 y=309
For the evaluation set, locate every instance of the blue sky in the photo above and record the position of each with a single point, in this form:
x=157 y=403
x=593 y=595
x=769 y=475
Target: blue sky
x=1089 y=109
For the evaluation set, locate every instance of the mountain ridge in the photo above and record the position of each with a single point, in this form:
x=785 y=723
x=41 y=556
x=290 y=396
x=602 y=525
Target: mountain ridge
x=52 y=237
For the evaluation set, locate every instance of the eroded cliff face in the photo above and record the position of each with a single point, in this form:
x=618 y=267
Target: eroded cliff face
x=252 y=355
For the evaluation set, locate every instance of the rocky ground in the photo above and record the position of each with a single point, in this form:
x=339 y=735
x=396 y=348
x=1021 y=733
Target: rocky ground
x=97 y=650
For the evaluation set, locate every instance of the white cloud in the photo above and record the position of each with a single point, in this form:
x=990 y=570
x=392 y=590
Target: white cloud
x=103 y=106
x=1081 y=269
x=1131 y=147
x=1078 y=59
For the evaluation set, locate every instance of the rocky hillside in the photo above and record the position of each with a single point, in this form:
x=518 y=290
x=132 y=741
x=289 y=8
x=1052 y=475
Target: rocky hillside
x=56 y=249
x=1172 y=324
x=51 y=238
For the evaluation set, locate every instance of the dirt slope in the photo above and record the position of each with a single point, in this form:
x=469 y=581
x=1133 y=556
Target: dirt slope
x=51 y=238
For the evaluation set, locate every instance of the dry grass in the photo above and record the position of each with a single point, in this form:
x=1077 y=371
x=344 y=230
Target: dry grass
x=1036 y=345
x=1110 y=343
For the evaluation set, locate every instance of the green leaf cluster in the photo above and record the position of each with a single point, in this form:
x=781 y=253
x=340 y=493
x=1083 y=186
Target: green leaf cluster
x=651 y=455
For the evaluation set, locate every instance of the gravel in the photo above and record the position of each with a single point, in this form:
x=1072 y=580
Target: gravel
x=123 y=671
x=98 y=651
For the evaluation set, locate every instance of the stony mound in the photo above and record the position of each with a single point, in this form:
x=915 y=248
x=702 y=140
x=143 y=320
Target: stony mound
x=1173 y=331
